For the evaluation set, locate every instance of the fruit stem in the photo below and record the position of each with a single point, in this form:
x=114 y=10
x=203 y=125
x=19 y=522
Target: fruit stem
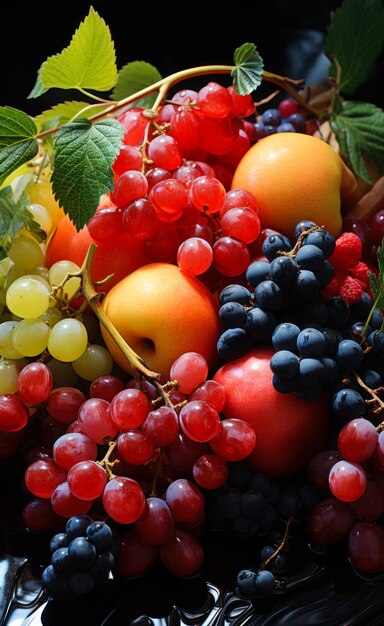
x=105 y=462
x=280 y=547
x=371 y=392
x=93 y=299
x=284 y=82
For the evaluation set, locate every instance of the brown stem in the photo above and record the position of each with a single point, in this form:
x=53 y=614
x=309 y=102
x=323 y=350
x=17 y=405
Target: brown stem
x=284 y=82
x=371 y=392
x=106 y=463
x=280 y=547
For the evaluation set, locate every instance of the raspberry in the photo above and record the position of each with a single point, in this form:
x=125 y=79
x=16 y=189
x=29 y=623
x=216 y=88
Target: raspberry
x=347 y=252
x=360 y=271
x=330 y=290
x=350 y=289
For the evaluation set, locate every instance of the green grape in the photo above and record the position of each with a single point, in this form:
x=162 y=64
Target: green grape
x=63 y=373
x=26 y=252
x=51 y=316
x=7 y=348
x=5 y=266
x=30 y=337
x=57 y=273
x=95 y=361
x=28 y=297
x=41 y=271
x=68 y=340
x=41 y=215
x=9 y=374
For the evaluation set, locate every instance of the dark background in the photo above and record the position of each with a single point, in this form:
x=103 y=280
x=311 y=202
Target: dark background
x=289 y=35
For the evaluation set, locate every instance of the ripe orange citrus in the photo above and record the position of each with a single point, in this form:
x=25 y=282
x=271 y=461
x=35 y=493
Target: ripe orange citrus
x=162 y=313
x=120 y=256
x=294 y=176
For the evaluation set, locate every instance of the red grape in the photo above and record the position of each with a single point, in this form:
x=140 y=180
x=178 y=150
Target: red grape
x=235 y=441
x=182 y=554
x=357 y=440
x=347 y=481
x=156 y=523
x=329 y=521
x=161 y=426
x=189 y=369
x=366 y=547
x=135 y=447
x=34 y=383
x=185 y=500
x=43 y=476
x=86 y=480
x=13 y=413
x=129 y=408
x=124 y=500
x=73 y=447
x=210 y=471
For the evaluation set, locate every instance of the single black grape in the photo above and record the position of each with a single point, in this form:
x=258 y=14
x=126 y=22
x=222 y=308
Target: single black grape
x=100 y=535
x=235 y=293
x=257 y=271
x=274 y=244
x=260 y=324
x=234 y=343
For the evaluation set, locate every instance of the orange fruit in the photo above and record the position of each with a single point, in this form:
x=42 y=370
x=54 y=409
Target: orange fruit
x=119 y=256
x=162 y=313
x=294 y=176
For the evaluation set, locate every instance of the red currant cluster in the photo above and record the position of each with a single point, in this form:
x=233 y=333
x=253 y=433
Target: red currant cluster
x=172 y=177
x=354 y=474
x=167 y=444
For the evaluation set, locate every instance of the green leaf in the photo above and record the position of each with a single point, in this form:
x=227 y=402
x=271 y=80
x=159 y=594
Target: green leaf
x=248 y=73
x=359 y=130
x=17 y=140
x=14 y=214
x=354 y=40
x=82 y=166
x=134 y=77
x=89 y=62
x=63 y=112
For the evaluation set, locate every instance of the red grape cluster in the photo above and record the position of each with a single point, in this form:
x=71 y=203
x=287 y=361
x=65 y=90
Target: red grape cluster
x=145 y=459
x=354 y=474
x=171 y=180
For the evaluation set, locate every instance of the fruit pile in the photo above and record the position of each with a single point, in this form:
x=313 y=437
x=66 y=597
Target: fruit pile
x=203 y=356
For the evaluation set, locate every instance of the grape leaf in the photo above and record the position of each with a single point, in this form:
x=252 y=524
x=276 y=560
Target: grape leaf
x=18 y=143
x=134 y=77
x=14 y=214
x=89 y=62
x=354 y=39
x=248 y=73
x=82 y=165
x=359 y=130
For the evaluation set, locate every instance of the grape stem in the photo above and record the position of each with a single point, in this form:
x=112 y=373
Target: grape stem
x=93 y=299
x=280 y=547
x=106 y=463
x=283 y=82
x=375 y=398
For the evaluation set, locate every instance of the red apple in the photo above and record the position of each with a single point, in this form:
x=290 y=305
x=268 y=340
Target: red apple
x=289 y=430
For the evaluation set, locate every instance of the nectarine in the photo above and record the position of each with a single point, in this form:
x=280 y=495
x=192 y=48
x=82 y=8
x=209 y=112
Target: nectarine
x=162 y=313
x=294 y=176
x=289 y=430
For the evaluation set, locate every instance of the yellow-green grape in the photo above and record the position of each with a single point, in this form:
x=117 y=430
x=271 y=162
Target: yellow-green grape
x=17 y=272
x=5 y=266
x=41 y=215
x=30 y=337
x=67 y=340
x=95 y=361
x=41 y=271
x=51 y=316
x=57 y=273
x=28 y=297
x=63 y=373
x=9 y=374
x=7 y=348
x=26 y=252
x=40 y=192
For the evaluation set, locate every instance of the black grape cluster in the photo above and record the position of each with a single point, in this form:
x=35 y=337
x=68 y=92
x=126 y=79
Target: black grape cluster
x=253 y=506
x=251 y=503
x=332 y=356
x=286 y=287
x=82 y=557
